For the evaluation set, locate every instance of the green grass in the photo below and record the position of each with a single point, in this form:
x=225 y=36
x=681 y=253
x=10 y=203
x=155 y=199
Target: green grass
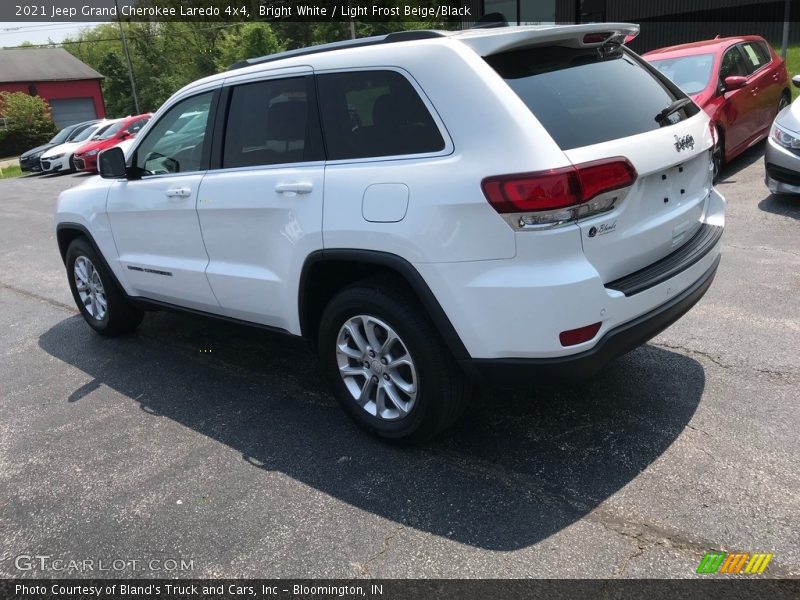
x=9 y=172
x=792 y=65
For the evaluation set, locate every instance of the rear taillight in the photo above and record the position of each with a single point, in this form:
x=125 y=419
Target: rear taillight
x=546 y=190
x=559 y=195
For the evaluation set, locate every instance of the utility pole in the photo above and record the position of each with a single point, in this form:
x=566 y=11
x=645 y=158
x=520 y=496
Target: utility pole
x=128 y=59
x=787 y=15
x=352 y=23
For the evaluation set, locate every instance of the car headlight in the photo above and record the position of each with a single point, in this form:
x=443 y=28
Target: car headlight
x=784 y=138
x=91 y=152
x=54 y=157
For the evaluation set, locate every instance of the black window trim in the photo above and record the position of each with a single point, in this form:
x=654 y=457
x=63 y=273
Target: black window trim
x=737 y=47
x=207 y=148
x=449 y=146
x=223 y=110
x=757 y=72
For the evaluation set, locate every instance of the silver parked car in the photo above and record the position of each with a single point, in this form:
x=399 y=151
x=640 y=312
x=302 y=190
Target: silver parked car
x=782 y=158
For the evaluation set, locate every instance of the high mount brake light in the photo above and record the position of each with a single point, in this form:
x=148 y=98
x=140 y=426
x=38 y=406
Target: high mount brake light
x=567 y=193
x=596 y=38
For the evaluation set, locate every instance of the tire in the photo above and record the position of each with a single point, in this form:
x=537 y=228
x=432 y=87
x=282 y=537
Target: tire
x=718 y=155
x=425 y=381
x=91 y=283
x=782 y=103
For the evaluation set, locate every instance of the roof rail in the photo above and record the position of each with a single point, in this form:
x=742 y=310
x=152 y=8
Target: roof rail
x=389 y=38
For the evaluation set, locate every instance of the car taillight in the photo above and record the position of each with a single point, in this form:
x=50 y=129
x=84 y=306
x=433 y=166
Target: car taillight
x=546 y=190
x=559 y=195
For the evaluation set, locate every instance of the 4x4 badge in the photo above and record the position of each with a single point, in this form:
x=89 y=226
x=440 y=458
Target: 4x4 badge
x=681 y=143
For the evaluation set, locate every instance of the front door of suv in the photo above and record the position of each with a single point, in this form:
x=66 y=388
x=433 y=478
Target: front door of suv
x=154 y=218
x=260 y=207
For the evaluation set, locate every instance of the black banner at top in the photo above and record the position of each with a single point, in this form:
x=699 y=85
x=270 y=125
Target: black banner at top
x=235 y=10
x=424 y=11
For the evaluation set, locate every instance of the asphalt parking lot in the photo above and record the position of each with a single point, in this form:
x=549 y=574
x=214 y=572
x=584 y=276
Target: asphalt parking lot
x=220 y=446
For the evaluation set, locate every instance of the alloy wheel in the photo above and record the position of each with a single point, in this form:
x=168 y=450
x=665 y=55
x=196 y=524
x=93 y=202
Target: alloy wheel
x=90 y=288
x=376 y=367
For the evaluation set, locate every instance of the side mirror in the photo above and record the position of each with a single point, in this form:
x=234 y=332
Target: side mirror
x=735 y=82
x=124 y=135
x=796 y=81
x=111 y=164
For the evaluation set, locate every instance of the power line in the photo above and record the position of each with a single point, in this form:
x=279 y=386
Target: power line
x=40 y=27
x=116 y=39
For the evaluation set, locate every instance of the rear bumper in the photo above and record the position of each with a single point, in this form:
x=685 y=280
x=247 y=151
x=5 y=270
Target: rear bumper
x=616 y=342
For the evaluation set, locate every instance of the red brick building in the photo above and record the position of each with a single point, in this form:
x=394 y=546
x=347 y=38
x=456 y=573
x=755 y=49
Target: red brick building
x=71 y=87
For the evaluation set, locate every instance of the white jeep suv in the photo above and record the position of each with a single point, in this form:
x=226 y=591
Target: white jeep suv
x=427 y=208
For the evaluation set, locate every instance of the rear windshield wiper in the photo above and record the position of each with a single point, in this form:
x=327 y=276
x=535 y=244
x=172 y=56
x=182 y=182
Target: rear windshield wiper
x=672 y=108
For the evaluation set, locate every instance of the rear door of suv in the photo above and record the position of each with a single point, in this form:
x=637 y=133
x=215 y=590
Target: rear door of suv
x=604 y=102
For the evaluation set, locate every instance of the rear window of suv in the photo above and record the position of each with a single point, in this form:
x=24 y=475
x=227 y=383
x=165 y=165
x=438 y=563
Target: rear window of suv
x=585 y=96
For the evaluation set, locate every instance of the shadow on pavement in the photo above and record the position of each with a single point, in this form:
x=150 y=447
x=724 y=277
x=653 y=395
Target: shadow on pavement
x=786 y=205
x=745 y=159
x=520 y=467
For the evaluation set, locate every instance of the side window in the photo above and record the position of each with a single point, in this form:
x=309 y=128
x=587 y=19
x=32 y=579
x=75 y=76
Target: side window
x=270 y=123
x=373 y=114
x=732 y=64
x=176 y=143
x=754 y=56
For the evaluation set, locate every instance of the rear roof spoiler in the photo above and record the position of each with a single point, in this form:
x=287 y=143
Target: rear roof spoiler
x=494 y=41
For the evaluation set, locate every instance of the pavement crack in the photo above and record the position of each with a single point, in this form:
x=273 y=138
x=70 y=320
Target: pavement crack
x=27 y=294
x=387 y=540
x=706 y=355
x=717 y=361
x=763 y=248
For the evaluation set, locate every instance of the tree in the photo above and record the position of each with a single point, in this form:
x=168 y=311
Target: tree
x=28 y=122
x=248 y=41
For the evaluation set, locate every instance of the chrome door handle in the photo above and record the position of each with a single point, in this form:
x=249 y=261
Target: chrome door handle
x=179 y=192
x=294 y=187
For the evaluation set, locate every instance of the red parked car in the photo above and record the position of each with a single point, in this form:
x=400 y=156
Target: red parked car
x=739 y=81
x=85 y=157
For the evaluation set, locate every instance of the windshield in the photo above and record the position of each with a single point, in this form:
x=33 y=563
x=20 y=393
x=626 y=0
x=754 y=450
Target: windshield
x=583 y=97
x=76 y=133
x=690 y=73
x=62 y=135
x=112 y=131
x=89 y=132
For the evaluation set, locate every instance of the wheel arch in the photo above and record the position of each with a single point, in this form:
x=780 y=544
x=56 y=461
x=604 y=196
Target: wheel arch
x=68 y=232
x=325 y=272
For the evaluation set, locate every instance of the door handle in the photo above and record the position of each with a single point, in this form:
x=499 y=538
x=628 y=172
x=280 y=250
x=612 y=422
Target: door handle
x=294 y=187
x=179 y=192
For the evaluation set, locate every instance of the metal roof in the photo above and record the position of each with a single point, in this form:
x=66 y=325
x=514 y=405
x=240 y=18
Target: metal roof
x=31 y=65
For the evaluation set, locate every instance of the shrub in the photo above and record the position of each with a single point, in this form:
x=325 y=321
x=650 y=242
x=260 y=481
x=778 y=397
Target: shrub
x=28 y=123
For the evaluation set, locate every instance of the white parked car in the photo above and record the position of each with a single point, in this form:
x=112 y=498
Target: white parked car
x=59 y=158
x=428 y=209
x=782 y=156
